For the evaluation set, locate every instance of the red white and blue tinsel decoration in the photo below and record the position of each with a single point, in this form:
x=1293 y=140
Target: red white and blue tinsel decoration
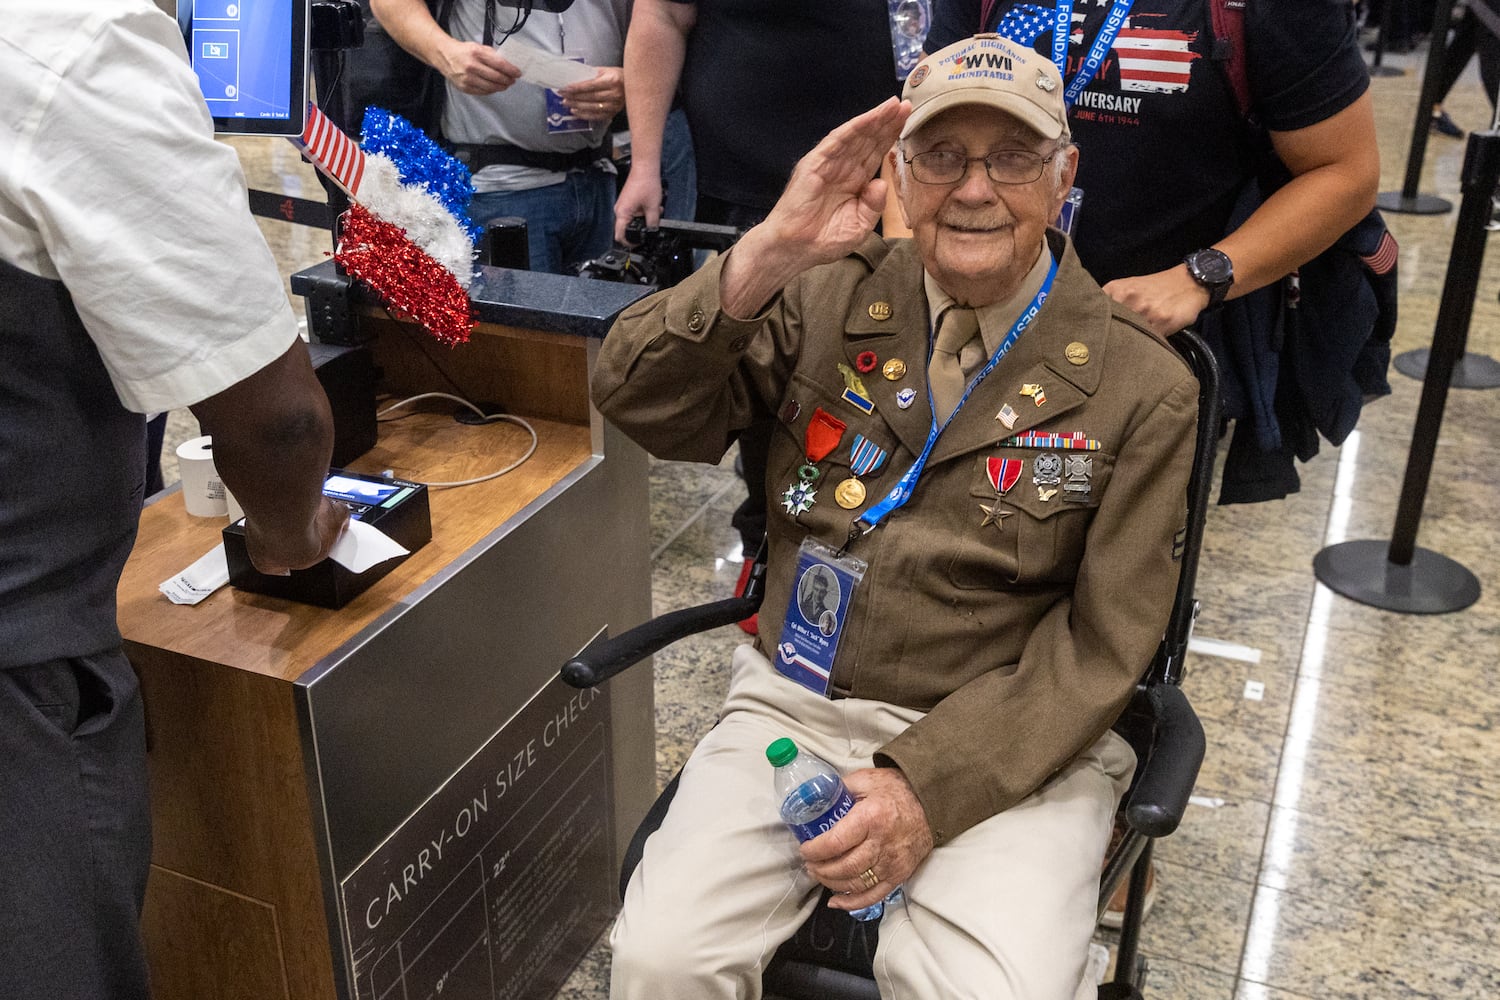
x=407 y=235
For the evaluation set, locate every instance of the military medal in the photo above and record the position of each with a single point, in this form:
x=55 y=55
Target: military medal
x=894 y=370
x=1046 y=470
x=799 y=498
x=1004 y=473
x=1078 y=478
x=850 y=493
x=906 y=397
x=855 y=393
x=823 y=434
x=1007 y=416
x=994 y=514
x=865 y=457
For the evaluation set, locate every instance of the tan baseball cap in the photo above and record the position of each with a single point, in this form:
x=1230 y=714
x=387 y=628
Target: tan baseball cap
x=988 y=69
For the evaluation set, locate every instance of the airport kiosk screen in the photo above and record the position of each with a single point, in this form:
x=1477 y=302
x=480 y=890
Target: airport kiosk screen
x=251 y=60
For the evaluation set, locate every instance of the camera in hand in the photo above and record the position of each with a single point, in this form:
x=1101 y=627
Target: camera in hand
x=662 y=256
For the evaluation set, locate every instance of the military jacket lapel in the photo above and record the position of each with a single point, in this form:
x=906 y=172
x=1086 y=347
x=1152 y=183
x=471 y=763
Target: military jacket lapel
x=888 y=316
x=1039 y=357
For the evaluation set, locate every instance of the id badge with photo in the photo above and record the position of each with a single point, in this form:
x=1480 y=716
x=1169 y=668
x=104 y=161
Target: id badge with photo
x=559 y=119
x=822 y=593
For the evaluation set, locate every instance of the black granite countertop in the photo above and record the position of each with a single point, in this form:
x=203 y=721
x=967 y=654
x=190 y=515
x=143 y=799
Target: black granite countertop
x=531 y=299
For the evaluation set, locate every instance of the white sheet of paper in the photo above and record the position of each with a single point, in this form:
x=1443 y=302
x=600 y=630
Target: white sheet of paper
x=362 y=546
x=545 y=69
x=203 y=577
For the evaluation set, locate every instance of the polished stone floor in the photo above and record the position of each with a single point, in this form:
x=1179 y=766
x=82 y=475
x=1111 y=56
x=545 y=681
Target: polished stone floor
x=1344 y=841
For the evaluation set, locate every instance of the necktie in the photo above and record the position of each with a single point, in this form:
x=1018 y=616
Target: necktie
x=957 y=327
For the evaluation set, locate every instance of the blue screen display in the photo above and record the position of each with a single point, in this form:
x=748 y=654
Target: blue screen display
x=248 y=62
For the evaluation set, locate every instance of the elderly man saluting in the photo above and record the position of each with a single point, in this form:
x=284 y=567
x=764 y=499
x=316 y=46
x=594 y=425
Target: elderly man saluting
x=991 y=459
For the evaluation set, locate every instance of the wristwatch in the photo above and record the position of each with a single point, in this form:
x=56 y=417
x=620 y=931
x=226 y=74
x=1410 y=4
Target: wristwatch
x=1213 y=270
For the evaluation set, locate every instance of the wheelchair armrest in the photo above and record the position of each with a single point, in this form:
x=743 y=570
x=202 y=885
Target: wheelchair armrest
x=603 y=658
x=1170 y=769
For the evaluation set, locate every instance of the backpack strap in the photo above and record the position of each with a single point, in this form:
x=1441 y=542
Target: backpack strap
x=986 y=11
x=1228 y=20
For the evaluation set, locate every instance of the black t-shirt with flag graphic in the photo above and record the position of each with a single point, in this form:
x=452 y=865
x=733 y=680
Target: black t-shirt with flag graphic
x=1163 y=151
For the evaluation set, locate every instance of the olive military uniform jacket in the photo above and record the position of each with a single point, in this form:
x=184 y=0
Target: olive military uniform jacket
x=1021 y=638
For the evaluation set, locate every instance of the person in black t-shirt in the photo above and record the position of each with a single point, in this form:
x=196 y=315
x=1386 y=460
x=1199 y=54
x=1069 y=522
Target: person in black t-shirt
x=1167 y=152
x=762 y=81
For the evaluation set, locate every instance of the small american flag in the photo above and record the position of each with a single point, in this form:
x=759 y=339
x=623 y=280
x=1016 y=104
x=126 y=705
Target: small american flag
x=1155 y=61
x=1024 y=22
x=333 y=151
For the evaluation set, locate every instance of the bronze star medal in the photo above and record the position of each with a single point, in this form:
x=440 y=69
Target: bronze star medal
x=994 y=514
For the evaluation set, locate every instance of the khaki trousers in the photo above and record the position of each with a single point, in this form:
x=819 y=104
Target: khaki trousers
x=1004 y=911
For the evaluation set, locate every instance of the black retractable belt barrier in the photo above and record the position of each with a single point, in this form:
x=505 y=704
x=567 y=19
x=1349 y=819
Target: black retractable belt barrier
x=1401 y=576
x=336 y=26
x=1407 y=200
x=1387 y=22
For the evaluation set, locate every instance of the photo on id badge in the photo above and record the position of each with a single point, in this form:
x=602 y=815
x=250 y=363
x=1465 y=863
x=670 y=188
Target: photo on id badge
x=815 y=614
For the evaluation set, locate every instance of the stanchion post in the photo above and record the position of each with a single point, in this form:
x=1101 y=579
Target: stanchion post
x=1387 y=22
x=1408 y=200
x=1399 y=576
x=1455 y=310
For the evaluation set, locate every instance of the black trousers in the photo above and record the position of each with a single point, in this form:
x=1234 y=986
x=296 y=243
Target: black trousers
x=74 y=830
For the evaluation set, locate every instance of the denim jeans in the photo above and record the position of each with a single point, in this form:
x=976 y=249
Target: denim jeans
x=566 y=223
x=679 y=173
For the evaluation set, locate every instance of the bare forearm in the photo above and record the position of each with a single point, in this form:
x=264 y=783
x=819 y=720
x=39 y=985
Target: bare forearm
x=1336 y=168
x=654 y=51
x=410 y=23
x=272 y=438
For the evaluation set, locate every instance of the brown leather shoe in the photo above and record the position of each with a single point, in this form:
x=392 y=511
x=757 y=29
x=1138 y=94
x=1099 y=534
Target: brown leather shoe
x=1114 y=913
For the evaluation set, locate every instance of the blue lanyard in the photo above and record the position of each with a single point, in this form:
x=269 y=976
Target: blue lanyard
x=1062 y=27
x=906 y=486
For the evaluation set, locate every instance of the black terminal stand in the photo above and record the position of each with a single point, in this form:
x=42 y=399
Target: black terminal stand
x=337 y=26
x=1408 y=201
x=1400 y=576
x=1387 y=22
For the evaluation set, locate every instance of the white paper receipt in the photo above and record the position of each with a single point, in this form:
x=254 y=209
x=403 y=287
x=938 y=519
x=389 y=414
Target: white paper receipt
x=362 y=546
x=200 y=579
x=545 y=69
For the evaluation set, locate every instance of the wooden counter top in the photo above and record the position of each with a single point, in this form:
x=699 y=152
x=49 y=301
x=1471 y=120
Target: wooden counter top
x=282 y=639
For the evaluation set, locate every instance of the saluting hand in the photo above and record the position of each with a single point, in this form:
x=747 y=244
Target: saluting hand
x=830 y=205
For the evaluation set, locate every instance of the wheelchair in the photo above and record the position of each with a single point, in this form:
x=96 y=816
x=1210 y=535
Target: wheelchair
x=831 y=955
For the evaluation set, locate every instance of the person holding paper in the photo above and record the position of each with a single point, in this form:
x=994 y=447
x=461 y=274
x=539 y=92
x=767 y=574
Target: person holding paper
x=132 y=279
x=534 y=130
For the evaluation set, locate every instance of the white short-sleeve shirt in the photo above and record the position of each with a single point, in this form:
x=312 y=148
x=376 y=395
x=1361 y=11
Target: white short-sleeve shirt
x=111 y=182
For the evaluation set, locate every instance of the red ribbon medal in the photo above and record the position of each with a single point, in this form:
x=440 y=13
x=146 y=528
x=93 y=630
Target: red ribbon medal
x=1004 y=473
x=824 y=431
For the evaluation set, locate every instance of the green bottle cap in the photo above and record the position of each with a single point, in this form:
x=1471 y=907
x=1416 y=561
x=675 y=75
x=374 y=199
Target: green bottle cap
x=783 y=751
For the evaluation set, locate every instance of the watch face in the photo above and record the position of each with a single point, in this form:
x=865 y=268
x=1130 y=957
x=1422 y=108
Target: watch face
x=1211 y=267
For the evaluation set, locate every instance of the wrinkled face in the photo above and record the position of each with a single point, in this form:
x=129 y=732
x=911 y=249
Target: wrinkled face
x=978 y=238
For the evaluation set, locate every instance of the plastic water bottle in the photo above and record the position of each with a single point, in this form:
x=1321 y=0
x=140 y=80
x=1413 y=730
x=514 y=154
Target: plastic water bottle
x=813 y=798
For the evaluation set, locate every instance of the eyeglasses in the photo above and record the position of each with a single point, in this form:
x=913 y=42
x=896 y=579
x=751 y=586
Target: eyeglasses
x=1005 y=166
